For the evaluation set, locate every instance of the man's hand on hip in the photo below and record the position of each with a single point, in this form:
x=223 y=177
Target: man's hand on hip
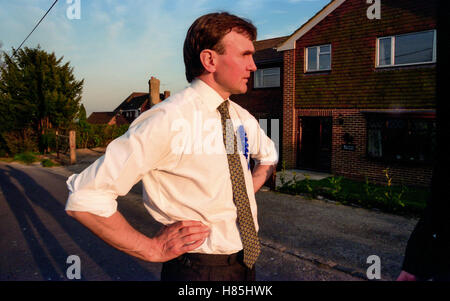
x=177 y=239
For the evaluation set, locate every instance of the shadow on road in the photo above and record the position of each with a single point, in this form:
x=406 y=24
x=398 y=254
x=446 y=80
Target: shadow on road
x=23 y=194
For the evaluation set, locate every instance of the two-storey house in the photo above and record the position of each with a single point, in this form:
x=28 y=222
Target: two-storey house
x=359 y=91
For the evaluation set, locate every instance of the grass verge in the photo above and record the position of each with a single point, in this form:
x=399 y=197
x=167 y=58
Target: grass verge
x=29 y=158
x=396 y=199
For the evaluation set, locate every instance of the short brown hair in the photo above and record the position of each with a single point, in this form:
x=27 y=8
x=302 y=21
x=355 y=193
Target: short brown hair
x=206 y=33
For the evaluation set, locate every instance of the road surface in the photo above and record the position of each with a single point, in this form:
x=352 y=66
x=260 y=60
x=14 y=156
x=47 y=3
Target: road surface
x=37 y=237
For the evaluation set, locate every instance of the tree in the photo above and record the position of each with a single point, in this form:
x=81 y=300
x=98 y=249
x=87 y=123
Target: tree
x=84 y=130
x=37 y=91
x=1 y=61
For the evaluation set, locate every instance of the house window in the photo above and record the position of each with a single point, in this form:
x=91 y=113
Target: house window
x=318 y=58
x=267 y=78
x=407 y=49
x=401 y=139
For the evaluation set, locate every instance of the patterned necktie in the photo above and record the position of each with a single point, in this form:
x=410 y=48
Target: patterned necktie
x=249 y=237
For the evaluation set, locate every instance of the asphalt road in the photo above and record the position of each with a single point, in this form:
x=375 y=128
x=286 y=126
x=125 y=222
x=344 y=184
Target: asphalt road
x=302 y=239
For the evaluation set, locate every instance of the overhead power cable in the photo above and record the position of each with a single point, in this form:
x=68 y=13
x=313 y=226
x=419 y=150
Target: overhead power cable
x=35 y=26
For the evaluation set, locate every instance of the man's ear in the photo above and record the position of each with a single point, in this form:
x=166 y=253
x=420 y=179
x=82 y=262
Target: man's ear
x=208 y=58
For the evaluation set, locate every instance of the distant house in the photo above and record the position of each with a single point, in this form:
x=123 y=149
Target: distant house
x=108 y=118
x=359 y=94
x=139 y=102
x=132 y=106
x=264 y=97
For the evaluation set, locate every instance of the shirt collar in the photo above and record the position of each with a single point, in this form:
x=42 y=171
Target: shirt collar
x=208 y=95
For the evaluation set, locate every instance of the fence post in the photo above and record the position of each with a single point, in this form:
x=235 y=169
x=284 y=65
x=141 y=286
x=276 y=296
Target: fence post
x=73 y=145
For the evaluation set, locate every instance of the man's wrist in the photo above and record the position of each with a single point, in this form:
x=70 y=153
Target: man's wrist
x=146 y=248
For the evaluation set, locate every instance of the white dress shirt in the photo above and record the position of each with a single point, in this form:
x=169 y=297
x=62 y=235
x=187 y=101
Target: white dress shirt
x=176 y=148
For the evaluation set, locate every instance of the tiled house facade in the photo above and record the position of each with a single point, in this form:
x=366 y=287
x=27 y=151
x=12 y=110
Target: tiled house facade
x=359 y=93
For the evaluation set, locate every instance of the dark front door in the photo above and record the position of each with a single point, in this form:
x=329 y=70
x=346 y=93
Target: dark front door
x=314 y=143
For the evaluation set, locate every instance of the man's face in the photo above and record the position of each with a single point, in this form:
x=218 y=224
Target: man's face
x=235 y=64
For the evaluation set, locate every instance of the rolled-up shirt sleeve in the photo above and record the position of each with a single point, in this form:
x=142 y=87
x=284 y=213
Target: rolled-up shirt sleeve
x=124 y=163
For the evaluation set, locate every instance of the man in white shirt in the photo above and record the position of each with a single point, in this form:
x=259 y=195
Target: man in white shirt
x=177 y=148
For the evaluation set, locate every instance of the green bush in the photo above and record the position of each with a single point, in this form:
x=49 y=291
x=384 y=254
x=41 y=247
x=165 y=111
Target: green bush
x=48 y=163
x=48 y=139
x=335 y=184
x=388 y=198
x=20 y=141
x=95 y=135
x=26 y=157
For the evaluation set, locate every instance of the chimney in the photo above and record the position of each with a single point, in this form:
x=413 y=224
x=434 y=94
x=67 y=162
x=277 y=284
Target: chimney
x=153 y=84
x=166 y=94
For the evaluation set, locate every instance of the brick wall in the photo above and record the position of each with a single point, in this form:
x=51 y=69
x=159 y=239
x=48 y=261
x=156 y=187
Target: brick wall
x=356 y=164
x=289 y=115
x=354 y=81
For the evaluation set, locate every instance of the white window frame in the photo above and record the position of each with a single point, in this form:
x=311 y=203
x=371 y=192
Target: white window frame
x=131 y=113
x=262 y=71
x=377 y=59
x=317 y=58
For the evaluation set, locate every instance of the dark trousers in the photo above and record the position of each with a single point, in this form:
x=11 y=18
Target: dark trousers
x=207 y=267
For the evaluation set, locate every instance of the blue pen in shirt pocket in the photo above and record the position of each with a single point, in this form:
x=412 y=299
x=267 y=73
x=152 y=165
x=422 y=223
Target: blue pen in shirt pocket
x=244 y=143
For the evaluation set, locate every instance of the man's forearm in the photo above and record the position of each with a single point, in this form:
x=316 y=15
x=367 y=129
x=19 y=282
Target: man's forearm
x=260 y=175
x=117 y=232
x=172 y=241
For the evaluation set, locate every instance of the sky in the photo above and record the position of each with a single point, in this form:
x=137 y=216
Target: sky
x=116 y=46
